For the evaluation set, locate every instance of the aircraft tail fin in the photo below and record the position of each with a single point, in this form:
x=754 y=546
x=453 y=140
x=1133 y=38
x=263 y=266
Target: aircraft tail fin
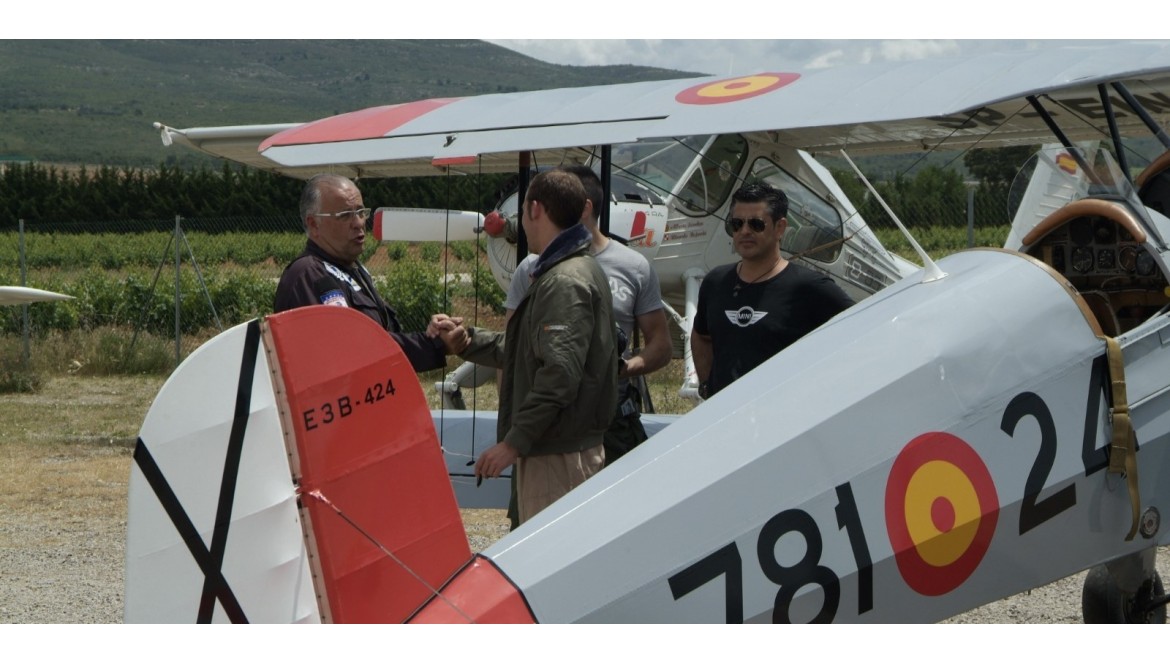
x=282 y=479
x=377 y=507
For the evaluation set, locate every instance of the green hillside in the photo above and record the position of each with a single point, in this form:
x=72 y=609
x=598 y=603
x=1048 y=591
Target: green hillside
x=94 y=101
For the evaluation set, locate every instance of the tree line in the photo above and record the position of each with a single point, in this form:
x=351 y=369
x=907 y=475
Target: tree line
x=933 y=196
x=938 y=196
x=47 y=193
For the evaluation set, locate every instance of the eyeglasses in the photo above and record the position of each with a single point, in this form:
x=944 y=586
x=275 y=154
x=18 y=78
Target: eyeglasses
x=346 y=215
x=733 y=224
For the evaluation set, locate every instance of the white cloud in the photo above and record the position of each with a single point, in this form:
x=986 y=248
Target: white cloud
x=917 y=49
x=727 y=56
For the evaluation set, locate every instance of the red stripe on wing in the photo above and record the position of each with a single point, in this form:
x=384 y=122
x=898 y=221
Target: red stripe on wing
x=368 y=123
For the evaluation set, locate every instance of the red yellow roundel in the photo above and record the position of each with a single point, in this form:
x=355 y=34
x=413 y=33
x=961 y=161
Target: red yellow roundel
x=734 y=89
x=941 y=510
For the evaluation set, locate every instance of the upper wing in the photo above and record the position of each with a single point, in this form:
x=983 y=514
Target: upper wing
x=870 y=108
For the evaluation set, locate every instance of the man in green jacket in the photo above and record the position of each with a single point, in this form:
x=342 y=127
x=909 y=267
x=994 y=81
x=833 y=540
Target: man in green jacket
x=560 y=385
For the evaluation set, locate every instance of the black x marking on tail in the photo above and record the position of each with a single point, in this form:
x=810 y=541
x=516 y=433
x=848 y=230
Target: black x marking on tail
x=210 y=561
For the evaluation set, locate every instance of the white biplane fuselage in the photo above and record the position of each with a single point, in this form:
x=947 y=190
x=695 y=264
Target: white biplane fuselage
x=943 y=443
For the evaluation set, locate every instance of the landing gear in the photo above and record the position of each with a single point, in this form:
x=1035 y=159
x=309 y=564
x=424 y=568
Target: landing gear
x=1103 y=601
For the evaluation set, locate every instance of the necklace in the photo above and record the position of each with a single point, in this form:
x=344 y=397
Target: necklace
x=739 y=282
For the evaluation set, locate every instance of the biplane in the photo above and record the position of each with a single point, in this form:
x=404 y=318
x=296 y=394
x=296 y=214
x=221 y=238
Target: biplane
x=952 y=439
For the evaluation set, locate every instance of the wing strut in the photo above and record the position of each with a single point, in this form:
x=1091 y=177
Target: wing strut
x=521 y=193
x=606 y=189
x=933 y=273
x=1060 y=136
x=1137 y=107
x=1111 y=117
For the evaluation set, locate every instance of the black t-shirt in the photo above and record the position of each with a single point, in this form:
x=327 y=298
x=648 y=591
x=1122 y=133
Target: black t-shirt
x=749 y=323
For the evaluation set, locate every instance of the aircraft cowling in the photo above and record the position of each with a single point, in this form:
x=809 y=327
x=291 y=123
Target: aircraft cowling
x=789 y=488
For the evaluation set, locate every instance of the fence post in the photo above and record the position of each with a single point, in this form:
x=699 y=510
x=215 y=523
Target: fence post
x=970 y=217
x=24 y=328
x=178 y=295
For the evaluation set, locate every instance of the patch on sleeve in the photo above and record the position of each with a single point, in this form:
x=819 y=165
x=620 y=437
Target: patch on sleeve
x=334 y=298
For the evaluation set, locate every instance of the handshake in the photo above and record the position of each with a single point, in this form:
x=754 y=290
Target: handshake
x=451 y=331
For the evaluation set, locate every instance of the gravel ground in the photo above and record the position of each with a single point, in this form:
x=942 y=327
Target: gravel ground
x=71 y=572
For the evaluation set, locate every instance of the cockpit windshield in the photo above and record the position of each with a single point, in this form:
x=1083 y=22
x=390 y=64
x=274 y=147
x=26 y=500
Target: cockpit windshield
x=659 y=164
x=698 y=171
x=1059 y=174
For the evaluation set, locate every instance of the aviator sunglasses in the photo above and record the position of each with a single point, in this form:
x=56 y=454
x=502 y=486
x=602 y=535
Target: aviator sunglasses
x=733 y=224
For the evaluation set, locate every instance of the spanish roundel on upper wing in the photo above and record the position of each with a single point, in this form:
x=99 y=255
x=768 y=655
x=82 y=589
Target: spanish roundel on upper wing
x=734 y=89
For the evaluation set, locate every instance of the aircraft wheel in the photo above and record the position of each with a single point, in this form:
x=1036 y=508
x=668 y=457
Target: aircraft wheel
x=1103 y=602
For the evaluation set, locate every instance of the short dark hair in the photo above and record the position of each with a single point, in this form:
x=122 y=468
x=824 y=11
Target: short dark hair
x=592 y=183
x=756 y=192
x=562 y=195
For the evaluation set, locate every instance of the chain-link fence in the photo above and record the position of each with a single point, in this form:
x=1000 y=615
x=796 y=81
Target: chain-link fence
x=147 y=293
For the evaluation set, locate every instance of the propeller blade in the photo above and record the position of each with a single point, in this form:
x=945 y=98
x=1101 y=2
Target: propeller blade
x=22 y=295
x=424 y=225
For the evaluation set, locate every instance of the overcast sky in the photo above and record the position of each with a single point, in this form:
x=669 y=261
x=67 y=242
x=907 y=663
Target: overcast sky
x=741 y=56
x=741 y=37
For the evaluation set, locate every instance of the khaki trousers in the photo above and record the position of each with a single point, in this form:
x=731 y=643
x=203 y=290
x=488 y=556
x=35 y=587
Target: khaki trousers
x=544 y=478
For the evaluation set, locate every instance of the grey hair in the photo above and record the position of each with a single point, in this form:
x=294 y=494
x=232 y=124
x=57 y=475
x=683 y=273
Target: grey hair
x=311 y=194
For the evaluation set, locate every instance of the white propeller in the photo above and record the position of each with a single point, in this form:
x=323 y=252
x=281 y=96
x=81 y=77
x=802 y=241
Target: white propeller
x=22 y=295
x=425 y=225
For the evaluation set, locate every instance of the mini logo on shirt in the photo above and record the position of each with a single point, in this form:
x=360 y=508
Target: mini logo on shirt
x=745 y=316
x=334 y=298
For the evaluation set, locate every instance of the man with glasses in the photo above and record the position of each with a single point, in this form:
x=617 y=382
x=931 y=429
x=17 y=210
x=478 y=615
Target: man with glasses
x=328 y=271
x=751 y=310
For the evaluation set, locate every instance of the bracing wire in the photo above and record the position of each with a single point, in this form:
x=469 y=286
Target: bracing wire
x=479 y=205
x=446 y=298
x=317 y=495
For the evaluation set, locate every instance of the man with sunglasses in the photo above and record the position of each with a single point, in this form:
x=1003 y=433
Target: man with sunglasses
x=751 y=310
x=329 y=272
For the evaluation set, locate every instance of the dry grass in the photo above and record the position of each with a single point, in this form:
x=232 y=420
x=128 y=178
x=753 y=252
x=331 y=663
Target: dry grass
x=69 y=481
x=66 y=450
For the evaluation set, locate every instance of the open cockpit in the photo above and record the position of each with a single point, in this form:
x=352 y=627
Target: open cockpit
x=1102 y=247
